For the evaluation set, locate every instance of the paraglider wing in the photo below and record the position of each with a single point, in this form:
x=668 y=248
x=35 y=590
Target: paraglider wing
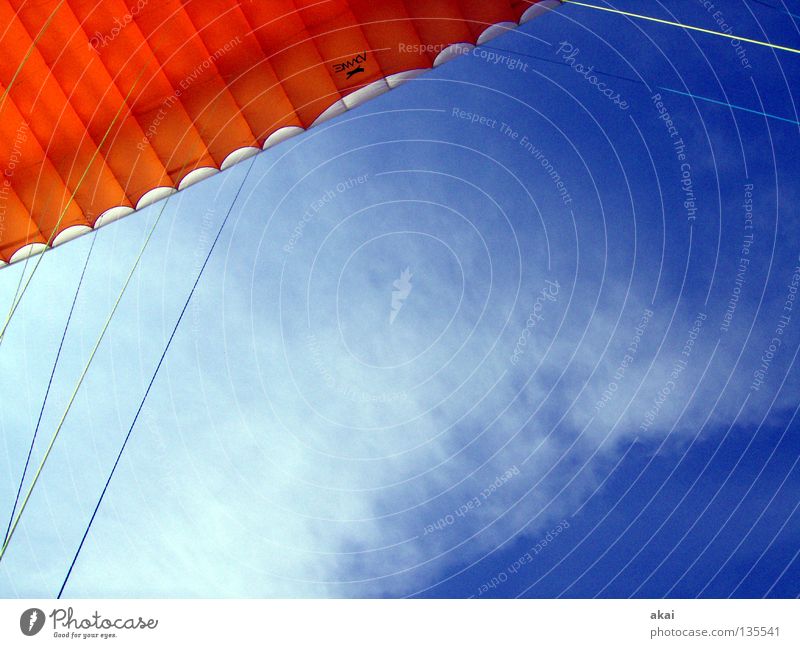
x=106 y=107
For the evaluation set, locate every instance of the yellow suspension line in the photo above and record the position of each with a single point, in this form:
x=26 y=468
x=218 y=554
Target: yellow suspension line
x=677 y=24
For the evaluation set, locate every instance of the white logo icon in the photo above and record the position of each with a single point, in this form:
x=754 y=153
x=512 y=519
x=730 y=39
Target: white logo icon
x=402 y=289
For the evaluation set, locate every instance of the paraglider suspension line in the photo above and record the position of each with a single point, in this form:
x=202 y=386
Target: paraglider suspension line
x=153 y=377
x=47 y=391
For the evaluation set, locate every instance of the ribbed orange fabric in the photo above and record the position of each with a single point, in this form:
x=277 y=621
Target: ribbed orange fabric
x=104 y=100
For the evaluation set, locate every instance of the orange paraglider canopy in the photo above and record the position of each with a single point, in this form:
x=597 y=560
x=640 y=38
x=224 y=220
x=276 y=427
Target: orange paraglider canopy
x=108 y=105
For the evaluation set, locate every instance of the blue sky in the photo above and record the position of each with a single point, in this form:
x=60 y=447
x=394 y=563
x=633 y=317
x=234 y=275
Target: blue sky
x=300 y=442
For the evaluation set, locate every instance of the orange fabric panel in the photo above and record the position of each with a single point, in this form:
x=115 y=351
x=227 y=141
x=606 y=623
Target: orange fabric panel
x=439 y=23
x=117 y=97
x=187 y=63
x=290 y=47
x=481 y=15
x=392 y=35
x=248 y=74
x=342 y=44
x=17 y=229
x=80 y=73
x=53 y=122
x=35 y=182
x=156 y=105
